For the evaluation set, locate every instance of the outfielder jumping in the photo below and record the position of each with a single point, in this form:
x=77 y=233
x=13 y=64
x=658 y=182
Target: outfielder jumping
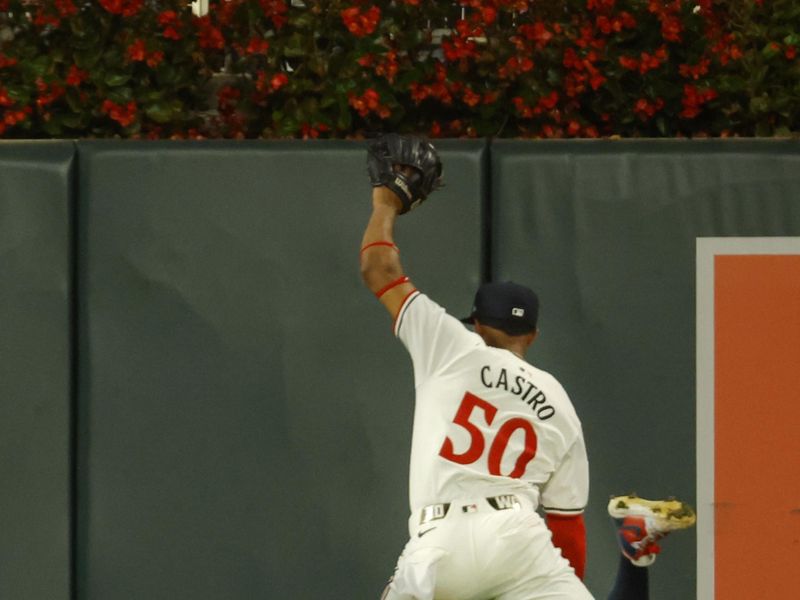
x=495 y=439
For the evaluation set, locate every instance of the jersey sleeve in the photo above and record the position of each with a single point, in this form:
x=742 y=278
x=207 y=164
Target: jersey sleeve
x=569 y=534
x=432 y=337
x=567 y=490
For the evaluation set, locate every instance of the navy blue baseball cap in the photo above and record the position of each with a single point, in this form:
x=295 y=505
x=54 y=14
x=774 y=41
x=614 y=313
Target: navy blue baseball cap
x=507 y=306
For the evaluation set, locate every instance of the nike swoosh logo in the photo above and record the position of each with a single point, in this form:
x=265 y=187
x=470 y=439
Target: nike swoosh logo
x=421 y=533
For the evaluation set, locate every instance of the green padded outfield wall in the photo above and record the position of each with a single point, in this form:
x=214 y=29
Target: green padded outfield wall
x=605 y=231
x=36 y=180
x=244 y=410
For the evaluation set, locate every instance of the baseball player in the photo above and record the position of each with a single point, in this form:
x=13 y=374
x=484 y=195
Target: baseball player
x=494 y=437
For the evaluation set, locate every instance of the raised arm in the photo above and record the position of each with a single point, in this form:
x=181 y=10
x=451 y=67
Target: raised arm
x=380 y=258
x=403 y=170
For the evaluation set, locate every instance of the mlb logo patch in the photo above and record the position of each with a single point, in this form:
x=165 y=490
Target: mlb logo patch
x=518 y=312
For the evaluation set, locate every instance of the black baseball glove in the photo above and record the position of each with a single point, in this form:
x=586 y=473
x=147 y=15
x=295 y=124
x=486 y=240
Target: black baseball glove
x=389 y=153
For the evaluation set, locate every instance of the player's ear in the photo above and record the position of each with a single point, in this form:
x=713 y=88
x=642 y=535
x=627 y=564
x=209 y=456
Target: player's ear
x=531 y=337
x=478 y=328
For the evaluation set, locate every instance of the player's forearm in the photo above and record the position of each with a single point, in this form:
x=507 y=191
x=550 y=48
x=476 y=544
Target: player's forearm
x=380 y=259
x=380 y=264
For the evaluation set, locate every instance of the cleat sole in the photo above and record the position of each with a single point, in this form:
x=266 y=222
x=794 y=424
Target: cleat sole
x=668 y=515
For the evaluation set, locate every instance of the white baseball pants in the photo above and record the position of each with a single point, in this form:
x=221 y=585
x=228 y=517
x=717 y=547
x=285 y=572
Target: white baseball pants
x=487 y=554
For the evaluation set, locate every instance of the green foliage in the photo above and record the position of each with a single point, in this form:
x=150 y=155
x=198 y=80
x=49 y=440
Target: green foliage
x=511 y=68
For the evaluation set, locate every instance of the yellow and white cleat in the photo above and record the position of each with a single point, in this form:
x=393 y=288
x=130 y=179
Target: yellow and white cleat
x=641 y=523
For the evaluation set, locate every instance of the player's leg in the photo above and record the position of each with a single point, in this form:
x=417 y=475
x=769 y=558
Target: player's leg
x=527 y=564
x=640 y=524
x=391 y=594
x=632 y=582
x=414 y=576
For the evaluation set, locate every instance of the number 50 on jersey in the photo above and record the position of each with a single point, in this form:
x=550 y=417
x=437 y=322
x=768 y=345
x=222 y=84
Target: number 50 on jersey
x=474 y=410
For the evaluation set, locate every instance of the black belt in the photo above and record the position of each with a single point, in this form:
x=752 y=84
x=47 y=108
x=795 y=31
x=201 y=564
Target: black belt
x=434 y=512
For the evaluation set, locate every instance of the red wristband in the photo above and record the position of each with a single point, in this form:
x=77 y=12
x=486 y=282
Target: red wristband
x=381 y=243
x=395 y=283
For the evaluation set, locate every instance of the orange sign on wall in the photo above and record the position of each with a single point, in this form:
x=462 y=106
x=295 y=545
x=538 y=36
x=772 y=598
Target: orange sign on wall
x=748 y=418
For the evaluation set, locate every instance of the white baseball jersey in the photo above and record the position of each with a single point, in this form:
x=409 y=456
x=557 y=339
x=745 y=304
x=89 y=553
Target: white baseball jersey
x=486 y=422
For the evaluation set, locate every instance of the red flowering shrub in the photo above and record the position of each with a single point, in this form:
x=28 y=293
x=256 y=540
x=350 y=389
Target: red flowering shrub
x=100 y=69
x=340 y=68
